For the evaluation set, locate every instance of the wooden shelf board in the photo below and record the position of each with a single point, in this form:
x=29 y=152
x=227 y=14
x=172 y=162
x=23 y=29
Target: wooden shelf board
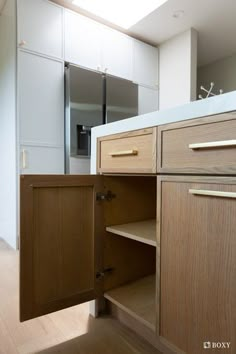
x=142 y=231
x=137 y=299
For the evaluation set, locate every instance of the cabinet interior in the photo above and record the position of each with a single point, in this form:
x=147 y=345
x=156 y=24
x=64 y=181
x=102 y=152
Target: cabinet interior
x=130 y=246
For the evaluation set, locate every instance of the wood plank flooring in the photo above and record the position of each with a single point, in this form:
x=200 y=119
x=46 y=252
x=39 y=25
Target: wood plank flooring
x=71 y=331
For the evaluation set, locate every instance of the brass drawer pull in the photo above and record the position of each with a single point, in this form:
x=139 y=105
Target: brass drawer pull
x=124 y=153
x=213 y=193
x=212 y=144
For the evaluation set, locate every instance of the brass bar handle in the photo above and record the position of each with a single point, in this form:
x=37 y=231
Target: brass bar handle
x=219 y=194
x=212 y=144
x=124 y=153
x=24 y=159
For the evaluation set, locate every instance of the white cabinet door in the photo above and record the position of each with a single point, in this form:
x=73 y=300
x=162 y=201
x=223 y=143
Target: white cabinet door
x=41 y=160
x=145 y=68
x=40 y=27
x=148 y=100
x=82 y=41
x=117 y=53
x=40 y=100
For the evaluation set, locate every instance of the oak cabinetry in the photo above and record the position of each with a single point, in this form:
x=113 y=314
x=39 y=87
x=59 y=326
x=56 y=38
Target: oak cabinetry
x=62 y=221
x=133 y=152
x=198 y=250
x=199 y=146
x=160 y=249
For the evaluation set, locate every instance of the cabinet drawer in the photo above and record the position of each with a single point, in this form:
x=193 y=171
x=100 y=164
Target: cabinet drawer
x=133 y=152
x=206 y=145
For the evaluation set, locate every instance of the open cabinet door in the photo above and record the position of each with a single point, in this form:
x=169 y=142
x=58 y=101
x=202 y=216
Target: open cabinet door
x=61 y=230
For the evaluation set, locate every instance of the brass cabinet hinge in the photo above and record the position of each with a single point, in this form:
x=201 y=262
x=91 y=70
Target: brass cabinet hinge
x=101 y=274
x=108 y=196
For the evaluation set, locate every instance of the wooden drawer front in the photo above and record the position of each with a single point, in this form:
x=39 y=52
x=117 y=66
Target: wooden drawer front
x=206 y=145
x=133 y=152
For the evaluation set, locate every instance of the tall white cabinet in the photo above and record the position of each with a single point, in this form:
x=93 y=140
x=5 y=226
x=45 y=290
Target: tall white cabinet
x=41 y=113
x=40 y=90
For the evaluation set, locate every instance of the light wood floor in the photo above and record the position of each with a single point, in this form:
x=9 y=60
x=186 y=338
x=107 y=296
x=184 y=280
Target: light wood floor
x=70 y=331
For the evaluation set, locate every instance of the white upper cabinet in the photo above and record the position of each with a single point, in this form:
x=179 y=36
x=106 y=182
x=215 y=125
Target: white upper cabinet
x=40 y=27
x=145 y=64
x=95 y=46
x=41 y=100
x=117 y=53
x=82 y=41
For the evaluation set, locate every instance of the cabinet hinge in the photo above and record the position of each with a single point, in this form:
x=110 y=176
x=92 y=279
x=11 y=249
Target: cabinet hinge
x=108 y=196
x=101 y=274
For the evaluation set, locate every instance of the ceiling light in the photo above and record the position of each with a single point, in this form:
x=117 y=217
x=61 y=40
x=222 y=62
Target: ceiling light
x=123 y=13
x=178 y=14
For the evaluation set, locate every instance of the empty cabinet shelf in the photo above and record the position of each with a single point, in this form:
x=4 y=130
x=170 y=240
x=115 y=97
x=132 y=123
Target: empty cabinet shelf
x=137 y=299
x=142 y=231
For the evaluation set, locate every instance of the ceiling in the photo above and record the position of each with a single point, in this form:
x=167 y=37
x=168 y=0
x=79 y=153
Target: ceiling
x=213 y=19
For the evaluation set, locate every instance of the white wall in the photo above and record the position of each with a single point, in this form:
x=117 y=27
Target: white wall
x=178 y=70
x=222 y=73
x=8 y=184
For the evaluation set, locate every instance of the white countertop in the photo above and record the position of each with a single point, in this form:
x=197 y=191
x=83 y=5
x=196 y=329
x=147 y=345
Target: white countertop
x=214 y=105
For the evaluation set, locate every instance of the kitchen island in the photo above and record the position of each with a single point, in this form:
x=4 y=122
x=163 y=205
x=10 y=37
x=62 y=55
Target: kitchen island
x=179 y=166
x=210 y=106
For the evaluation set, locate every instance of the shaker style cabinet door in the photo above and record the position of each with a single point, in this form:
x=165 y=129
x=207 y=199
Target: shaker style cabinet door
x=60 y=223
x=198 y=253
x=40 y=27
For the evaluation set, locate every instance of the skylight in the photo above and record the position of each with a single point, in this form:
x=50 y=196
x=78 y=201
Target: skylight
x=123 y=13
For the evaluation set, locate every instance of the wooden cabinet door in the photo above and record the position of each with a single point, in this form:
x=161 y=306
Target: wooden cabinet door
x=60 y=242
x=198 y=269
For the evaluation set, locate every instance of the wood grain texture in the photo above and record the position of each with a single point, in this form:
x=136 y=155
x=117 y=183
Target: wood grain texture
x=137 y=299
x=135 y=199
x=142 y=231
x=141 y=329
x=70 y=331
x=175 y=156
x=58 y=259
x=130 y=260
x=198 y=269
x=143 y=142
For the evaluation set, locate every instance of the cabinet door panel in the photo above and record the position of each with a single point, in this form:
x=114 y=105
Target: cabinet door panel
x=117 y=53
x=145 y=70
x=198 y=272
x=40 y=27
x=82 y=41
x=41 y=160
x=41 y=100
x=59 y=240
